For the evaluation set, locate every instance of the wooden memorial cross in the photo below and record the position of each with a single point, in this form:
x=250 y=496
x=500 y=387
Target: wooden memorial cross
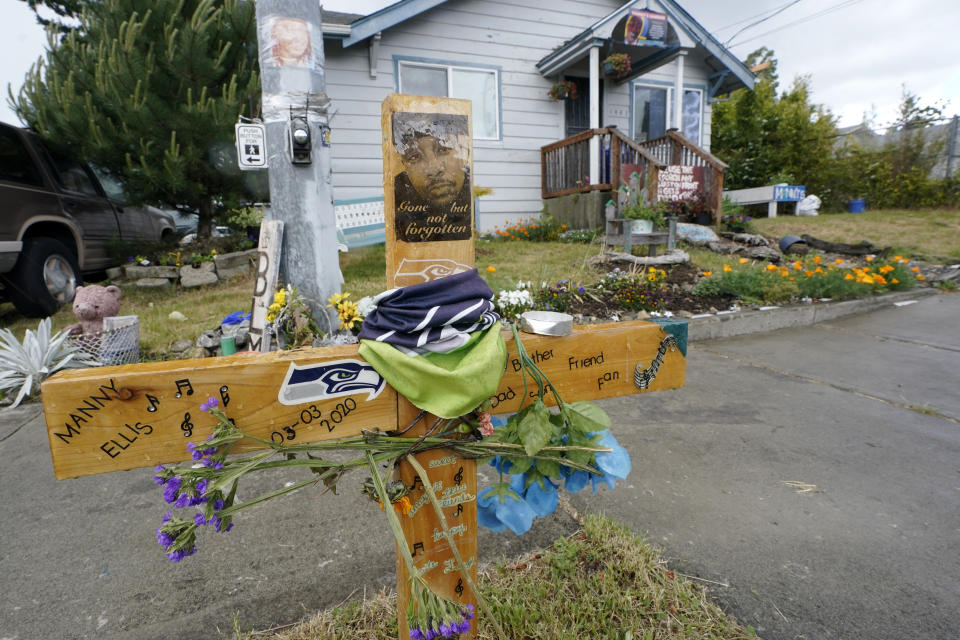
x=126 y=417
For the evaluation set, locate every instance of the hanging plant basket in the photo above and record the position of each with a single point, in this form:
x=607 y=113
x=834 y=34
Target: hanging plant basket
x=566 y=90
x=616 y=64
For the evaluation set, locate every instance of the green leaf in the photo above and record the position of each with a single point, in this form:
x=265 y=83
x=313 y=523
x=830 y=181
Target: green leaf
x=548 y=468
x=519 y=465
x=535 y=428
x=587 y=417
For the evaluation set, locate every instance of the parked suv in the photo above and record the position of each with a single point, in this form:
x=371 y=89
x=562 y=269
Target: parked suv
x=56 y=222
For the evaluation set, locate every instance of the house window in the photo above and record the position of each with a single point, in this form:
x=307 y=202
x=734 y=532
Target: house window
x=653 y=112
x=478 y=84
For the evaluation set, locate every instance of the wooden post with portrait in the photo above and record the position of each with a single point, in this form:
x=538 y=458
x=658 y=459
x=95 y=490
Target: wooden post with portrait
x=428 y=207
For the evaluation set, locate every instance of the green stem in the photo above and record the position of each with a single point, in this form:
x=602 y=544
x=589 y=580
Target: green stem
x=391 y=515
x=428 y=488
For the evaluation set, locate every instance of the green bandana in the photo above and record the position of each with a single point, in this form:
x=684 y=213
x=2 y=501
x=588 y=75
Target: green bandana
x=445 y=384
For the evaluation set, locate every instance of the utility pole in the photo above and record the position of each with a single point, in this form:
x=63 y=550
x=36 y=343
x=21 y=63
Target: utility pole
x=295 y=112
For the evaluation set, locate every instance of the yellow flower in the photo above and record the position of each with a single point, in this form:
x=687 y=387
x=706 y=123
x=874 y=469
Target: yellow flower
x=276 y=306
x=869 y=258
x=818 y=270
x=727 y=268
x=894 y=281
x=915 y=269
x=879 y=279
x=817 y=259
x=898 y=258
x=213 y=252
x=271 y=317
x=491 y=269
x=771 y=267
x=798 y=265
x=849 y=276
x=337 y=298
x=808 y=273
x=839 y=261
x=743 y=261
x=920 y=276
x=707 y=274
x=867 y=280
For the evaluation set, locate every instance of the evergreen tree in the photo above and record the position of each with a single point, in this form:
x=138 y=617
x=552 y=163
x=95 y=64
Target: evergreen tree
x=150 y=90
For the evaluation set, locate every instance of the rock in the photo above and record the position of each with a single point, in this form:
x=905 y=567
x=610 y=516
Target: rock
x=696 y=233
x=136 y=271
x=152 y=283
x=114 y=273
x=199 y=275
x=751 y=239
x=684 y=314
x=233 y=264
x=176 y=315
x=199 y=352
x=763 y=253
x=179 y=346
x=209 y=339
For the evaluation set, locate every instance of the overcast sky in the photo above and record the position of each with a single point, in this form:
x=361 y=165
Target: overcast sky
x=858 y=53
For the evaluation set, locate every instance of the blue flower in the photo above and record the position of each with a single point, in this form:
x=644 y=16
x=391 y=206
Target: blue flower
x=499 y=508
x=610 y=464
x=542 y=496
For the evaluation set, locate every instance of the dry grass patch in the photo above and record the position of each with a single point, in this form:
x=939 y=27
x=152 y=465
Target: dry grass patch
x=932 y=235
x=602 y=583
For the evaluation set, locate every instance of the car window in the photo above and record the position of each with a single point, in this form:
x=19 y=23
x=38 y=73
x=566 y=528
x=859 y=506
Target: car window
x=111 y=184
x=15 y=162
x=69 y=174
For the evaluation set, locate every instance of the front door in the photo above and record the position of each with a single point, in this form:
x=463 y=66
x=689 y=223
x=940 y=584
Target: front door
x=577 y=112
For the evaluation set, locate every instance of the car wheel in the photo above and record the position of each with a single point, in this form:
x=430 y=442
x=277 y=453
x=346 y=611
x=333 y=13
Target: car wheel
x=45 y=277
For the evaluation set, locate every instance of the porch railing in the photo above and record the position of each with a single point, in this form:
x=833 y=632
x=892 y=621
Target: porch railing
x=565 y=165
x=675 y=149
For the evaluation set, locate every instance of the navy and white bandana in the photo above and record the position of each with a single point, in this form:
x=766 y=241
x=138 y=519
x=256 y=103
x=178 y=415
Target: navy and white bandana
x=432 y=317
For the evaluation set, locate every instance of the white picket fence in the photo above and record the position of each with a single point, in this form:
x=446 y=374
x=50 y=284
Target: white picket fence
x=359 y=222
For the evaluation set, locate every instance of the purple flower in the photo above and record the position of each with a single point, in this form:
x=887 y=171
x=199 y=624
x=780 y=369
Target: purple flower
x=209 y=404
x=177 y=556
x=198 y=519
x=160 y=479
x=218 y=505
x=172 y=489
x=416 y=634
x=183 y=500
x=201 y=486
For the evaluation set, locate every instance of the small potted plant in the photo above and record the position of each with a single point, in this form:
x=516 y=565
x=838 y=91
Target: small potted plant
x=616 y=64
x=564 y=90
x=644 y=218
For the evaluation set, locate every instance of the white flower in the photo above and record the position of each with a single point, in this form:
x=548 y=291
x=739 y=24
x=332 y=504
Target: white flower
x=365 y=305
x=668 y=314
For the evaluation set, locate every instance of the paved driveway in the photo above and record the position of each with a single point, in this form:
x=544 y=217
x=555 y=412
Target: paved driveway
x=862 y=413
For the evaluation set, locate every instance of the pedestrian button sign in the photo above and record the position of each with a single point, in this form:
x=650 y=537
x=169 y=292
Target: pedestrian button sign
x=251 y=146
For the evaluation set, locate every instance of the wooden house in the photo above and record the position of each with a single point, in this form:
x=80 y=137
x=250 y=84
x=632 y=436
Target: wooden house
x=506 y=56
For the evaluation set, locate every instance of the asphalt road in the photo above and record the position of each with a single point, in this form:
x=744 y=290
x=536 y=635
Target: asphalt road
x=862 y=414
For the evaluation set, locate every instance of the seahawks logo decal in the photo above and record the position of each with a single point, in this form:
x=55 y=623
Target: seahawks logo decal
x=325 y=380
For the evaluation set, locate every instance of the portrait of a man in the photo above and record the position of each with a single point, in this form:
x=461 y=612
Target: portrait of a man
x=433 y=193
x=290 y=42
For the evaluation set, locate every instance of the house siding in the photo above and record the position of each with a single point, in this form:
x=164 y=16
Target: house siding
x=509 y=36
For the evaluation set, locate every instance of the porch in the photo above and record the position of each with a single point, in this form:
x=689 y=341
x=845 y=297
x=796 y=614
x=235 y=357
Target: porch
x=669 y=168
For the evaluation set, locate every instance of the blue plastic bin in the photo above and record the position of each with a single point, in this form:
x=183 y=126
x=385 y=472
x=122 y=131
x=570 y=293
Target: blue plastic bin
x=858 y=206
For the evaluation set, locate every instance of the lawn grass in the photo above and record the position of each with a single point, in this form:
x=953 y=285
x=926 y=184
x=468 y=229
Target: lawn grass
x=602 y=583
x=931 y=235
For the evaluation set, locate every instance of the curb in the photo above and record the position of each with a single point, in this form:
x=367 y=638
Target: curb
x=737 y=323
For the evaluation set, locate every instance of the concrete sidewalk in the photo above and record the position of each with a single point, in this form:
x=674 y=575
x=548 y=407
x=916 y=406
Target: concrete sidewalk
x=862 y=410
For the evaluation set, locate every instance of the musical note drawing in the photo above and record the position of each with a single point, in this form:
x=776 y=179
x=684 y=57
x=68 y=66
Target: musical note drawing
x=459 y=511
x=224 y=395
x=154 y=401
x=181 y=385
x=186 y=426
x=417 y=545
x=459 y=588
x=416 y=481
x=459 y=477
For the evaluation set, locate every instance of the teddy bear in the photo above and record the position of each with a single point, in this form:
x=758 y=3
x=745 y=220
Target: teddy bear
x=91 y=305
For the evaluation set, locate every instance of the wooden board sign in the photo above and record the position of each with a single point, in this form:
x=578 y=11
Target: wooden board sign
x=125 y=417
